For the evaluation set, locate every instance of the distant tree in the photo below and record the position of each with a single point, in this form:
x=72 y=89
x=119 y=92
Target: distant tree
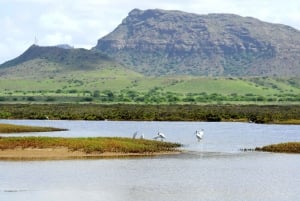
x=73 y=91
x=58 y=91
x=87 y=99
x=96 y=93
x=110 y=96
x=50 y=99
x=30 y=98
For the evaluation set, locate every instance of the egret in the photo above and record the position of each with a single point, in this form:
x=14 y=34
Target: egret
x=160 y=135
x=199 y=134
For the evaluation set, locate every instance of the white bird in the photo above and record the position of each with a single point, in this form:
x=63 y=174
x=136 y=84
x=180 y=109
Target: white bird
x=160 y=135
x=199 y=134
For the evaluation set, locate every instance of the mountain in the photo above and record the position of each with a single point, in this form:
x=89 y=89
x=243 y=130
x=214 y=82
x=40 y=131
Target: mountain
x=77 y=58
x=39 y=61
x=64 y=46
x=159 y=42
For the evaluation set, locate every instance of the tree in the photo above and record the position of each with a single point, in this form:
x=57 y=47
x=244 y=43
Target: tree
x=96 y=93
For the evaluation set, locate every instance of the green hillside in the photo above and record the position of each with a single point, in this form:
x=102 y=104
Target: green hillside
x=119 y=85
x=56 y=75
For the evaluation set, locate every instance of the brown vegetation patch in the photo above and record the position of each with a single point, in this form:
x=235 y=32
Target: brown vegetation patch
x=63 y=148
x=10 y=128
x=289 y=147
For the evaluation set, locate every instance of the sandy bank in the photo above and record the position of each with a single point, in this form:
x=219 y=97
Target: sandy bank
x=64 y=154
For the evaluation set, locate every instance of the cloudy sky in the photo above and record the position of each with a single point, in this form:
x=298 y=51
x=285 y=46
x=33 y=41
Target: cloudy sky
x=81 y=23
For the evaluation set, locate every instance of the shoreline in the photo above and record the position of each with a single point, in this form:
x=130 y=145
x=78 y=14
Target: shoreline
x=29 y=154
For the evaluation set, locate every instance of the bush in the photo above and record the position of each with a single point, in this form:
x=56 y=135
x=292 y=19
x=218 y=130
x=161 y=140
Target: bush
x=87 y=99
x=30 y=98
x=96 y=94
x=213 y=117
x=50 y=99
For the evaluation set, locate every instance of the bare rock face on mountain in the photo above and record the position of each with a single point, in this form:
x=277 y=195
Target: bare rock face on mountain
x=158 y=42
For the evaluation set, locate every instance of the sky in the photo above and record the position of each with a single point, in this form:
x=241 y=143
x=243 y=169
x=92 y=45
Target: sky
x=80 y=23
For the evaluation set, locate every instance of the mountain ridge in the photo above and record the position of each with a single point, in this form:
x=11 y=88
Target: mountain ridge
x=58 y=54
x=157 y=42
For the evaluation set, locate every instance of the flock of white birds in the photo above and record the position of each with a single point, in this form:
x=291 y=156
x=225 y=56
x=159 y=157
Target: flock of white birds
x=198 y=133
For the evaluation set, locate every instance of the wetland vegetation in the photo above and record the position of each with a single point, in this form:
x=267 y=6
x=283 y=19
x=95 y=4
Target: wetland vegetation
x=289 y=147
x=286 y=114
x=9 y=128
x=58 y=147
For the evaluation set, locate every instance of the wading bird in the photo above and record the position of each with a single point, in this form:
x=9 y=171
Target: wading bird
x=134 y=135
x=160 y=135
x=199 y=134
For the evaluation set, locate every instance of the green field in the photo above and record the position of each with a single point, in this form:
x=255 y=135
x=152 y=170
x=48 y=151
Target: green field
x=119 y=85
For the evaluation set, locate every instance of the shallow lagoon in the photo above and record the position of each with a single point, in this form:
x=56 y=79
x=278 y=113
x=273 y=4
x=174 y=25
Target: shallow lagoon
x=212 y=170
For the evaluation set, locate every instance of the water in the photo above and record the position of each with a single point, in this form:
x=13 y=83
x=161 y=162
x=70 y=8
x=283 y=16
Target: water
x=211 y=170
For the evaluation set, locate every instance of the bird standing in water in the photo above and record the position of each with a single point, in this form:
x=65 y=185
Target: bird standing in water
x=160 y=135
x=199 y=134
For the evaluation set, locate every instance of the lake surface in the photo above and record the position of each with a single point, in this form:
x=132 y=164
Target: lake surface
x=213 y=169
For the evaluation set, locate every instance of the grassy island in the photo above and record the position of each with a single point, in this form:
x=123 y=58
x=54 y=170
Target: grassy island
x=10 y=128
x=62 y=148
x=289 y=147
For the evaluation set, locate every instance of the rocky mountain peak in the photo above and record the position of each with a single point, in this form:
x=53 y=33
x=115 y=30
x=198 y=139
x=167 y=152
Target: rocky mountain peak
x=158 y=42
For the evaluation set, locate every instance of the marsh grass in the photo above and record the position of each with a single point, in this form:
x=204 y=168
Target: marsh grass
x=10 y=128
x=289 y=147
x=89 y=145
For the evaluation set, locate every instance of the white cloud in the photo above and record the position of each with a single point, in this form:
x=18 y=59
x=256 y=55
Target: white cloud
x=8 y=24
x=55 y=39
x=57 y=20
x=82 y=23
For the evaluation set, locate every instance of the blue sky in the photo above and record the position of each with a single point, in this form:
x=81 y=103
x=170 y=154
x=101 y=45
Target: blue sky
x=81 y=23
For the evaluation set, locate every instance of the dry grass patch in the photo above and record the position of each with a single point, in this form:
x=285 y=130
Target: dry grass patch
x=289 y=147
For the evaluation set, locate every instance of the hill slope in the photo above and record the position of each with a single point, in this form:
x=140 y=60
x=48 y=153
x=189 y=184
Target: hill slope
x=159 y=42
x=41 y=62
x=77 y=58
